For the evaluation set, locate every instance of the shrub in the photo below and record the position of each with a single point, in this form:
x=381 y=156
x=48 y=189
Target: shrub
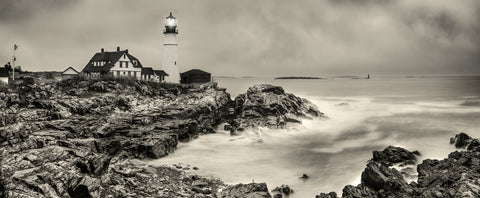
x=28 y=81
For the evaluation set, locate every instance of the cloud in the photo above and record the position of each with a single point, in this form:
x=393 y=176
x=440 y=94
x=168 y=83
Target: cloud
x=18 y=10
x=254 y=38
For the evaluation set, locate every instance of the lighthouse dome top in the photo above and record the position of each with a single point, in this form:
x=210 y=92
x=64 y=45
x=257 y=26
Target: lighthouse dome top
x=170 y=16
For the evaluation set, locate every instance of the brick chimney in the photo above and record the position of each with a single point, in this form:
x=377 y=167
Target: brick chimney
x=102 y=50
x=118 y=49
x=126 y=50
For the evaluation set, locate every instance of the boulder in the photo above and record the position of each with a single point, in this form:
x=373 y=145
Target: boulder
x=327 y=195
x=304 y=177
x=460 y=140
x=384 y=178
x=474 y=145
x=393 y=155
x=284 y=190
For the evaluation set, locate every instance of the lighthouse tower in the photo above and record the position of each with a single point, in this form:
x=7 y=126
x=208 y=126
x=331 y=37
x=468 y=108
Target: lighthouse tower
x=170 y=65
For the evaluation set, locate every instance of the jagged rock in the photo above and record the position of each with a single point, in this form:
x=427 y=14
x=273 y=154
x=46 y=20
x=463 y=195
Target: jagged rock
x=392 y=155
x=152 y=147
x=325 y=195
x=383 y=178
x=284 y=190
x=456 y=176
x=460 y=140
x=474 y=145
x=246 y=190
x=358 y=191
x=268 y=105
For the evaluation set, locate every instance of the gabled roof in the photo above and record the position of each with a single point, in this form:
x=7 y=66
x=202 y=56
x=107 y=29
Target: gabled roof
x=72 y=69
x=160 y=73
x=110 y=58
x=4 y=72
x=194 y=71
x=147 y=71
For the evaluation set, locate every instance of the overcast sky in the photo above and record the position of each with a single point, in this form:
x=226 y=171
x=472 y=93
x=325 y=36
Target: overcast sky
x=252 y=37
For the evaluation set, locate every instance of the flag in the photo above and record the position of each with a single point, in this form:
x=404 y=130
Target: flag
x=15 y=46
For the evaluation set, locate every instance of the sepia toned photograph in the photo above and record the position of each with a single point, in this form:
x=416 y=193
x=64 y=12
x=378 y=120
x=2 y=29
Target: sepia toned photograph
x=239 y=98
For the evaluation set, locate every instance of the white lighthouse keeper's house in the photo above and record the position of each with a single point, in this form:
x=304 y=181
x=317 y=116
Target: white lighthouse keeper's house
x=170 y=65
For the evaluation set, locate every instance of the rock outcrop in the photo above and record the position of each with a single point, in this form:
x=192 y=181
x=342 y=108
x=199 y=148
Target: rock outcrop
x=461 y=140
x=268 y=105
x=282 y=191
x=81 y=137
x=257 y=190
x=395 y=155
x=456 y=176
x=327 y=195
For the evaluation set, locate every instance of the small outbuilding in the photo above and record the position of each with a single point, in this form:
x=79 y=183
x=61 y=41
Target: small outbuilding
x=4 y=75
x=195 y=76
x=147 y=73
x=160 y=75
x=70 y=72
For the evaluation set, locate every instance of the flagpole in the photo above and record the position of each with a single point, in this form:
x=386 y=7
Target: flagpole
x=13 y=79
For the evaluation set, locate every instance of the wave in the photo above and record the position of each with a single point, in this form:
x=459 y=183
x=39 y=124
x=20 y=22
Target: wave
x=331 y=151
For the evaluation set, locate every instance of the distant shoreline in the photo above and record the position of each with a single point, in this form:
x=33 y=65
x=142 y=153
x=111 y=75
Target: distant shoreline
x=298 y=77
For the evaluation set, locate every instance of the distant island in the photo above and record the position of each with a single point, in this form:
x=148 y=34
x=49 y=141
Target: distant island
x=297 y=77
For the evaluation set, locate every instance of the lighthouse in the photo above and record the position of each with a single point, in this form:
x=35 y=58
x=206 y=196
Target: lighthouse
x=170 y=64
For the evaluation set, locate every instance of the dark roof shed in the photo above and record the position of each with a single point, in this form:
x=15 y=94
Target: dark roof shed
x=4 y=72
x=160 y=73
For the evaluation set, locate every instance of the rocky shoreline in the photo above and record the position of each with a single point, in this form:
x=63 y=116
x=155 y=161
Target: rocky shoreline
x=387 y=173
x=86 y=137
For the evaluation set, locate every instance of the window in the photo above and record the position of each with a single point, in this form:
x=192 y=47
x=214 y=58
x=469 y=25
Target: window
x=126 y=64
x=129 y=73
x=121 y=63
x=118 y=73
x=175 y=62
x=123 y=56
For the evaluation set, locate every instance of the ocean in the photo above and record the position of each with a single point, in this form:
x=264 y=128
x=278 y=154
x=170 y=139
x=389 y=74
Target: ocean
x=416 y=113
